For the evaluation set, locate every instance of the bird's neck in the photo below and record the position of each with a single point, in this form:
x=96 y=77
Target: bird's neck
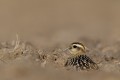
x=78 y=54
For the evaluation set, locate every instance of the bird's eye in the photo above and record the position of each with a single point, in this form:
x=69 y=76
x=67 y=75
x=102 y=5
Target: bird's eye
x=74 y=46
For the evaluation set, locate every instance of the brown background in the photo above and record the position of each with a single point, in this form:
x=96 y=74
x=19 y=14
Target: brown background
x=45 y=22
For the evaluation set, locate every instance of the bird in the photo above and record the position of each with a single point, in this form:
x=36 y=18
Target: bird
x=79 y=59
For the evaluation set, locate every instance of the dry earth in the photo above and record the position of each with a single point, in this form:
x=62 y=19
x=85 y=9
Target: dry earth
x=21 y=60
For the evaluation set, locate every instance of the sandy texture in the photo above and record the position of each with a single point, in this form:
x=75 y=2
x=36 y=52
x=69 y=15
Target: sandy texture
x=21 y=60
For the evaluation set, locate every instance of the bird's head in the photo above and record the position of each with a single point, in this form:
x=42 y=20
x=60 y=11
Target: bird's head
x=77 y=48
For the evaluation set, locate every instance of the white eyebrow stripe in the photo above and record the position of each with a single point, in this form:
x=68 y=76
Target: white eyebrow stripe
x=79 y=46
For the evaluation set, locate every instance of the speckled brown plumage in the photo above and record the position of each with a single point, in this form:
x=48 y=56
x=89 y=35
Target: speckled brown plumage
x=82 y=62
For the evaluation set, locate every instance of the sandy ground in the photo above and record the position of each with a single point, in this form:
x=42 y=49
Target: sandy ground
x=45 y=28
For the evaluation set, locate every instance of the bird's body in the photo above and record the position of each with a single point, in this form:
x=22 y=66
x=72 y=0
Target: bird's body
x=78 y=58
x=82 y=62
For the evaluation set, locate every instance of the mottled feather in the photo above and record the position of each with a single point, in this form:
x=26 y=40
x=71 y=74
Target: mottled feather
x=81 y=61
